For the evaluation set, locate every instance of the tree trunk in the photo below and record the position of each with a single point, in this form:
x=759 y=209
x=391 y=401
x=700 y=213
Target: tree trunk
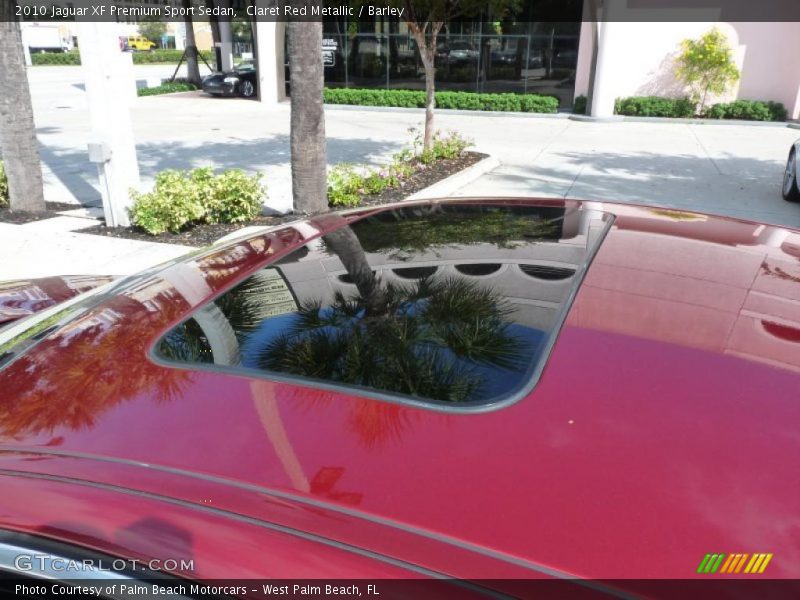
x=591 y=5
x=703 y=101
x=347 y=247
x=309 y=164
x=427 y=52
x=17 y=132
x=192 y=66
x=430 y=101
x=213 y=21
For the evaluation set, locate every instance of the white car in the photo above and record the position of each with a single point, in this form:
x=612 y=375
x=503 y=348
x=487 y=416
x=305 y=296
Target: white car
x=790 y=190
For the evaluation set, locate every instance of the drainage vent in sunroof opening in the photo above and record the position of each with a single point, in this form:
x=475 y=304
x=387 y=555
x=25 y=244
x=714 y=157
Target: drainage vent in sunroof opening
x=447 y=304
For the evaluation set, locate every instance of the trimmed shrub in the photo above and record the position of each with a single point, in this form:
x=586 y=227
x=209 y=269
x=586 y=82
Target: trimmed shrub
x=778 y=110
x=55 y=58
x=376 y=182
x=181 y=198
x=366 y=97
x=73 y=57
x=167 y=88
x=345 y=186
x=579 y=105
x=450 y=146
x=749 y=110
x=3 y=186
x=447 y=100
x=348 y=183
x=456 y=74
x=654 y=106
x=164 y=56
x=459 y=101
x=536 y=103
x=235 y=197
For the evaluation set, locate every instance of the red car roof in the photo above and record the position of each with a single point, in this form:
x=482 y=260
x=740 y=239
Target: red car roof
x=663 y=428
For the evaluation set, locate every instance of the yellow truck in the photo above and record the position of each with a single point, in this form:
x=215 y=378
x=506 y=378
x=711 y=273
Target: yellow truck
x=138 y=42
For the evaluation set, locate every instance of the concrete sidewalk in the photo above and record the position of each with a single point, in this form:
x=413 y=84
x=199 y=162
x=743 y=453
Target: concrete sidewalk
x=726 y=169
x=733 y=170
x=39 y=249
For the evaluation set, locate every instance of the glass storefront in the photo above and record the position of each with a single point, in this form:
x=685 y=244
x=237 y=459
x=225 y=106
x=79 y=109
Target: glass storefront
x=482 y=56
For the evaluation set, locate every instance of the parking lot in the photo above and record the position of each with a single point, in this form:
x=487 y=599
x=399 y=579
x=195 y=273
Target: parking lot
x=728 y=169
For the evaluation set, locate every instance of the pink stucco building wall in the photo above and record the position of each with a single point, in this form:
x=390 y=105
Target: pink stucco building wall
x=642 y=59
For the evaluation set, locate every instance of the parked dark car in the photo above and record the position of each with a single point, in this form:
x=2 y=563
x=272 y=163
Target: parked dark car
x=457 y=52
x=242 y=81
x=486 y=389
x=536 y=58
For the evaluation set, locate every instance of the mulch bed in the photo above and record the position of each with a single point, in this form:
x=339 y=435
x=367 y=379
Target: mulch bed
x=198 y=235
x=20 y=217
x=203 y=235
x=424 y=178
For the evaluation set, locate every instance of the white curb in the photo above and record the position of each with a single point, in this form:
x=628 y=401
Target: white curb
x=456 y=181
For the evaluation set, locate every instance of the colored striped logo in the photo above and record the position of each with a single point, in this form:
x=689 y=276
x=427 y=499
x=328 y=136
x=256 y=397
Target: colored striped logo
x=734 y=563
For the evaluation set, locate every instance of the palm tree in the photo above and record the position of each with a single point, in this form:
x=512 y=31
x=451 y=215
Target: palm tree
x=192 y=66
x=431 y=338
x=430 y=341
x=17 y=132
x=85 y=379
x=309 y=164
x=346 y=245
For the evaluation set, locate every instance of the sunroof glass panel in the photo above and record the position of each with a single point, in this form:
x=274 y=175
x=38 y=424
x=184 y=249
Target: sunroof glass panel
x=443 y=303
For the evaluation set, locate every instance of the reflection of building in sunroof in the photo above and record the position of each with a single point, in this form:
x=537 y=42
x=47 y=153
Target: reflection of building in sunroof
x=438 y=304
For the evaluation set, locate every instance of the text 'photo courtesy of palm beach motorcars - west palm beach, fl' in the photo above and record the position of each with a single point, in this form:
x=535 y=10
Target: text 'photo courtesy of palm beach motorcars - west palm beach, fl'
x=399 y=299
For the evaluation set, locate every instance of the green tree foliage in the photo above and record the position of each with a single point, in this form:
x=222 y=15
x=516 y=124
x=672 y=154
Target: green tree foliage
x=425 y=20
x=153 y=30
x=706 y=65
x=242 y=30
x=428 y=340
x=3 y=186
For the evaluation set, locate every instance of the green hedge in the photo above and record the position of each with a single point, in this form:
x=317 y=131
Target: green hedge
x=3 y=186
x=139 y=58
x=750 y=110
x=55 y=58
x=579 y=105
x=164 y=56
x=452 y=100
x=167 y=88
x=654 y=106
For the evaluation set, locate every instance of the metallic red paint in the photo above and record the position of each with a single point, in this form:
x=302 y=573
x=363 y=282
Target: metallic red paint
x=23 y=298
x=664 y=427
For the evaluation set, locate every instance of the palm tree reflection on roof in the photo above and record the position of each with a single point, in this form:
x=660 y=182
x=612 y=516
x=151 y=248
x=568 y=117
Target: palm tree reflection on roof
x=443 y=336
